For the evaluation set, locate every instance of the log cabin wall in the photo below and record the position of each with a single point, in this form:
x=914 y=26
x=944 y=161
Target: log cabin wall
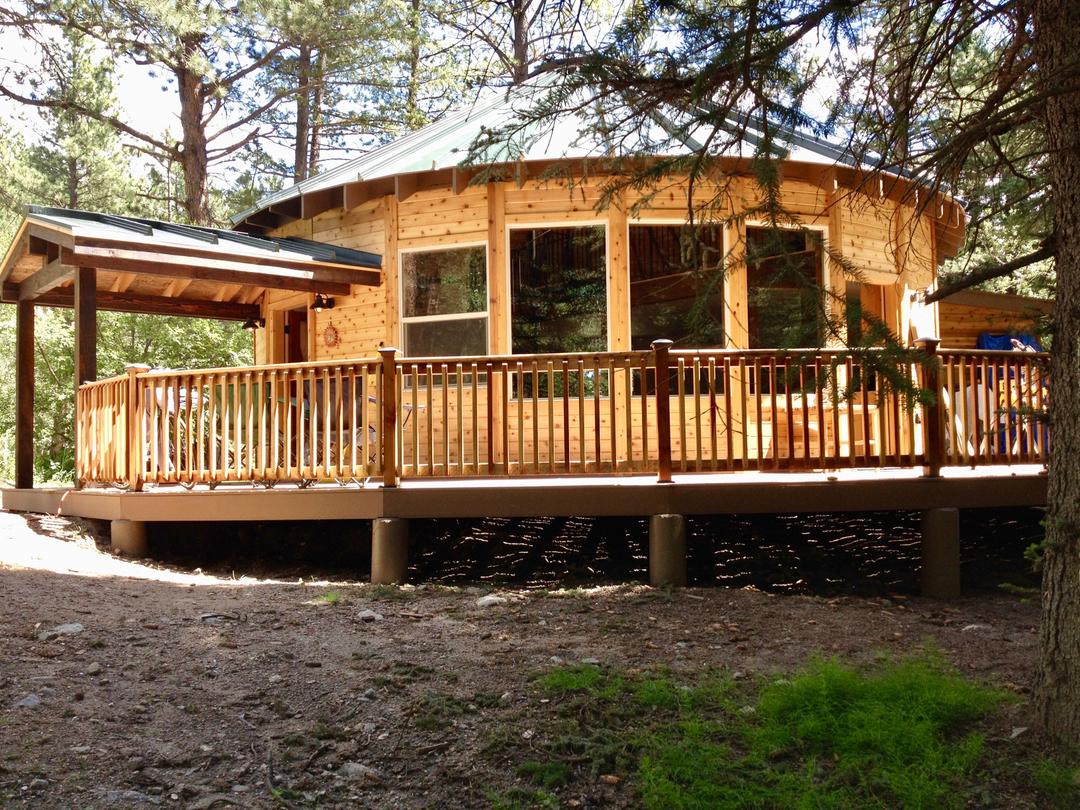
x=892 y=247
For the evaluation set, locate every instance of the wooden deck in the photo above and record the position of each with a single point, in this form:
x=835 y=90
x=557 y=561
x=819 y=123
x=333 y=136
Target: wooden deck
x=856 y=490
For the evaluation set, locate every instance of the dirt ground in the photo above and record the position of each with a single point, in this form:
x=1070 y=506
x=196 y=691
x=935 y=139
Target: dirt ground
x=186 y=690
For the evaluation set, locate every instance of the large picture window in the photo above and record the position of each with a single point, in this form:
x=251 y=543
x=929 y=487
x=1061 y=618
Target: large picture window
x=444 y=302
x=783 y=277
x=676 y=292
x=558 y=290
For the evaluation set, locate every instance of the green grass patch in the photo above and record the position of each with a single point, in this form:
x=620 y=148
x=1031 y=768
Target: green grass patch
x=1058 y=782
x=896 y=734
x=545 y=774
x=331 y=598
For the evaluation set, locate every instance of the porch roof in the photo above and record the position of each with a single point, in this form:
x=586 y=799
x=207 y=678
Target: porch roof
x=158 y=267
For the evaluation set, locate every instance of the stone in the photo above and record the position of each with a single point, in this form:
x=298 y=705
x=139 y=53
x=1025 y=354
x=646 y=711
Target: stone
x=28 y=702
x=122 y=797
x=491 y=600
x=1016 y=732
x=369 y=616
x=592 y=662
x=39 y=783
x=358 y=772
x=973 y=627
x=94 y=669
x=71 y=629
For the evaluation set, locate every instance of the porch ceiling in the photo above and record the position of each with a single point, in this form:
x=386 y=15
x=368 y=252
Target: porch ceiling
x=164 y=268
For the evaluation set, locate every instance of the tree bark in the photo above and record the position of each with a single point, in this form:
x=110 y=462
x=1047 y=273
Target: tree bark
x=315 y=150
x=303 y=114
x=193 y=157
x=520 y=25
x=413 y=116
x=1057 y=687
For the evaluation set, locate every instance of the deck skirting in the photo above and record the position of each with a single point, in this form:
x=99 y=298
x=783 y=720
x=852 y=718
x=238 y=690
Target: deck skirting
x=593 y=496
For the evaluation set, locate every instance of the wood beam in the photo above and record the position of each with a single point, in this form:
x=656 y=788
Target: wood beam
x=85 y=340
x=85 y=325
x=52 y=275
x=404 y=186
x=459 y=179
x=144 y=304
x=24 y=395
x=355 y=195
x=314 y=203
x=331 y=281
x=219 y=258
x=288 y=210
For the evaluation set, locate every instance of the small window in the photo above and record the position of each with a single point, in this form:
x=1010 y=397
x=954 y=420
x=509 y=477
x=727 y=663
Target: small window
x=676 y=285
x=783 y=277
x=444 y=302
x=558 y=290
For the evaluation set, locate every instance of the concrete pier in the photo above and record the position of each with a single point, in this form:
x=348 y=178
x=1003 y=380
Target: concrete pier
x=941 y=553
x=667 y=550
x=389 y=550
x=128 y=537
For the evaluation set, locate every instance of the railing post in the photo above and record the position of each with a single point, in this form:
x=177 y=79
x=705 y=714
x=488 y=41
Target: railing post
x=935 y=439
x=133 y=420
x=661 y=348
x=391 y=477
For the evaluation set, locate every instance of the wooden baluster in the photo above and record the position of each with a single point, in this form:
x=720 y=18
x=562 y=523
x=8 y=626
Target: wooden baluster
x=833 y=391
x=972 y=401
x=551 y=415
x=680 y=389
x=804 y=415
x=489 y=371
x=613 y=427
x=504 y=416
x=819 y=399
x=644 y=398
x=628 y=393
x=581 y=413
x=536 y=414
x=430 y=380
x=476 y=417
x=459 y=373
x=744 y=411
x=728 y=415
x=712 y=416
x=566 y=413
x=445 y=425
x=760 y=420
x=519 y=377
x=696 y=385
x=597 y=429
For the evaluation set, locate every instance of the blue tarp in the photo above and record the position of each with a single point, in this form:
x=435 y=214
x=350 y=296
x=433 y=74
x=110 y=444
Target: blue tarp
x=999 y=342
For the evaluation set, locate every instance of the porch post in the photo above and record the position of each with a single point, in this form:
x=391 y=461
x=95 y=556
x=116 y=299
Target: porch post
x=663 y=410
x=24 y=395
x=934 y=414
x=941 y=553
x=391 y=476
x=85 y=339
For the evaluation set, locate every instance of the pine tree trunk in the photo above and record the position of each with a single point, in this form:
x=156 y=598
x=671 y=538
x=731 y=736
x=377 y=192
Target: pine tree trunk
x=193 y=156
x=520 y=26
x=413 y=116
x=303 y=114
x=1057 y=687
x=315 y=150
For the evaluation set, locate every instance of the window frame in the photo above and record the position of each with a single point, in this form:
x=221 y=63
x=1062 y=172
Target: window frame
x=404 y=320
x=825 y=280
x=725 y=284
x=568 y=223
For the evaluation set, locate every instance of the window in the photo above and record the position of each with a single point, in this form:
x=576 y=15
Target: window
x=673 y=293
x=783 y=277
x=444 y=302
x=558 y=290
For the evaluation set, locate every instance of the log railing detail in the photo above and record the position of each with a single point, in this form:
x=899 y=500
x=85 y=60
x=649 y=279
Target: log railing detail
x=665 y=411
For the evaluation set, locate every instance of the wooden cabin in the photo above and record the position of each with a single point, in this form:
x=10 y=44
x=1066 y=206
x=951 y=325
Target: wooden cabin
x=415 y=319
x=526 y=327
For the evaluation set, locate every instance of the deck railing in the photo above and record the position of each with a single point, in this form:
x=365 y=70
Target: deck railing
x=661 y=411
